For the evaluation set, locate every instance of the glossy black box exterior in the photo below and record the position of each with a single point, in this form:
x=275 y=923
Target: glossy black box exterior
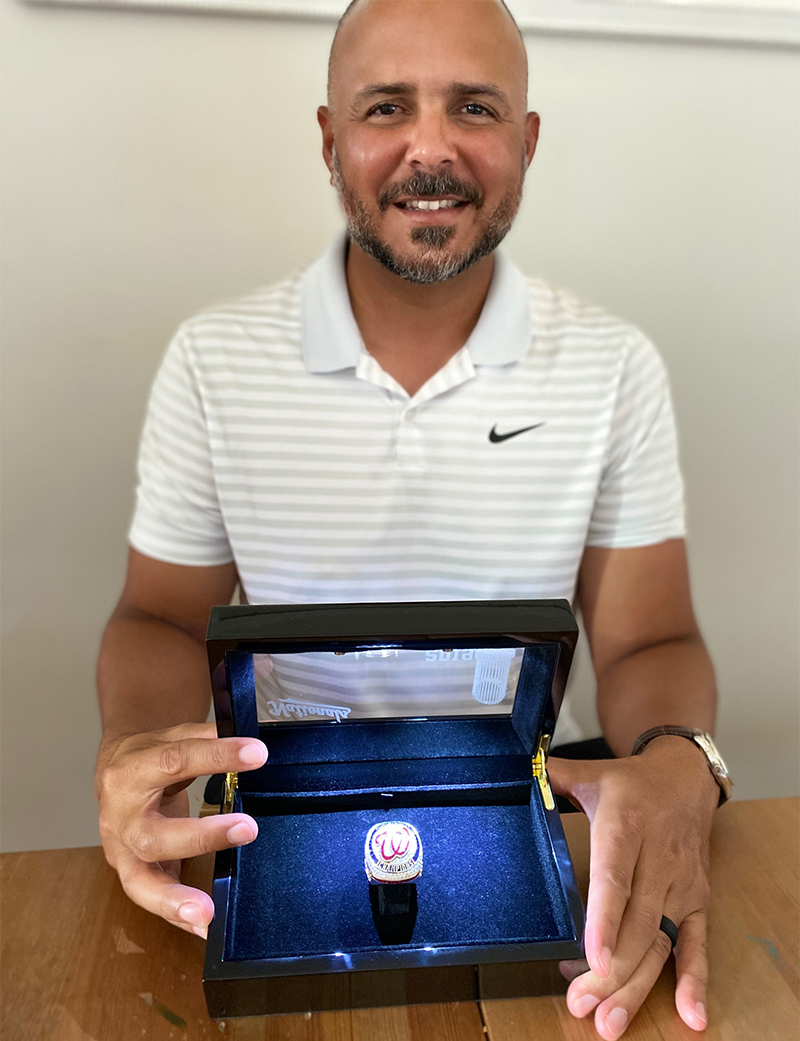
x=386 y=977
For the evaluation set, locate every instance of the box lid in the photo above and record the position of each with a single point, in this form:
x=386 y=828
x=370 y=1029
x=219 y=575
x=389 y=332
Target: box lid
x=447 y=660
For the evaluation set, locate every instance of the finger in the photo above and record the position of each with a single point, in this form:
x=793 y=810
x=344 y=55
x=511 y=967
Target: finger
x=638 y=931
x=570 y=970
x=156 y=891
x=166 y=763
x=691 y=960
x=182 y=731
x=615 y=1013
x=154 y=838
x=186 y=731
x=615 y=848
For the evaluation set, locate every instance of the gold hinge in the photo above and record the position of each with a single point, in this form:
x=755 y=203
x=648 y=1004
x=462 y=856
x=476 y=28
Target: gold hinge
x=540 y=772
x=231 y=784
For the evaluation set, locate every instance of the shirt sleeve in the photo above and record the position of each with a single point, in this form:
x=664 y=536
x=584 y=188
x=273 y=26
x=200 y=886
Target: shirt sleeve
x=640 y=499
x=177 y=517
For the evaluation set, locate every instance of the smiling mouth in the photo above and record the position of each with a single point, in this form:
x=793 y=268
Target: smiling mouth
x=431 y=204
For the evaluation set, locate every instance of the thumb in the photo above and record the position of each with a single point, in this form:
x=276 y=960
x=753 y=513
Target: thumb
x=574 y=779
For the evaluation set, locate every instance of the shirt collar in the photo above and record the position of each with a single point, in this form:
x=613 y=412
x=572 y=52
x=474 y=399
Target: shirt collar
x=503 y=332
x=332 y=339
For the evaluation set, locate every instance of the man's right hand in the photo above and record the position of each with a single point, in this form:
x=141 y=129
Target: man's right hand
x=145 y=826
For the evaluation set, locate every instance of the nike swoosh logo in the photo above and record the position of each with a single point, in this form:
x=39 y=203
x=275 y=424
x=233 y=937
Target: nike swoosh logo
x=496 y=438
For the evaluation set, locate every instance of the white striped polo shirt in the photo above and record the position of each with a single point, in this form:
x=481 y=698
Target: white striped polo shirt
x=274 y=439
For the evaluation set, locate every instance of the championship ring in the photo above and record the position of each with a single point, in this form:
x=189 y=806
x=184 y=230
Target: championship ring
x=393 y=853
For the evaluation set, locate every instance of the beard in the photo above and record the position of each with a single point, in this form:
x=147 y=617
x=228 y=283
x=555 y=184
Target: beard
x=431 y=261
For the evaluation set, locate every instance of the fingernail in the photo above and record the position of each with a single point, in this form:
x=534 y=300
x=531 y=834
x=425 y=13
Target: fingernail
x=700 y=1012
x=584 y=1005
x=202 y=931
x=240 y=833
x=253 y=754
x=605 y=961
x=191 y=913
x=616 y=1021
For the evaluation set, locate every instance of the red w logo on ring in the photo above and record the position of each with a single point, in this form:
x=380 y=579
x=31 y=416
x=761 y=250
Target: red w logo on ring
x=393 y=842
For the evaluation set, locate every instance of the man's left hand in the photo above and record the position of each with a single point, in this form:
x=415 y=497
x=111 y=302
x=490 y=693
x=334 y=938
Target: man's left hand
x=650 y=818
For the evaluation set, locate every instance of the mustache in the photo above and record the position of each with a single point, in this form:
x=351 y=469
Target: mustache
x=432 y=186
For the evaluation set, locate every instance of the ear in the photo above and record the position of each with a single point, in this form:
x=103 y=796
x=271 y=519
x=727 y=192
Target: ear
x=531 y=135
x=326 y=126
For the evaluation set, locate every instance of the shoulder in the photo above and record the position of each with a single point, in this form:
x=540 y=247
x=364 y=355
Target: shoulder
x=577 y=328
x=558 y=312
x=262 y=324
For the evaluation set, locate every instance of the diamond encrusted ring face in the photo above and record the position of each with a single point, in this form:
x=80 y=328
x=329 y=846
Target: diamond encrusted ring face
x=393 y=852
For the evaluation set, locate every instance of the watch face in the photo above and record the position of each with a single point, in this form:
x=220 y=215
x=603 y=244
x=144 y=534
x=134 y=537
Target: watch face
x=715 y=761
x=710 y=749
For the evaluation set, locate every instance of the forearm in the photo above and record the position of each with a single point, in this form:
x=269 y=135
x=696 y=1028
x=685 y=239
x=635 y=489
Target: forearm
x=667 y=683
x=150 y=675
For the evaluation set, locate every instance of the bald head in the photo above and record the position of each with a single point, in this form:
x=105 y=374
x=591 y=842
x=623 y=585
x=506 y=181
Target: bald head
x=346 y=35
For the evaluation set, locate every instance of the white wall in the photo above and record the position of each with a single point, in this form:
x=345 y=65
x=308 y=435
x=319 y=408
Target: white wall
x=154 y=163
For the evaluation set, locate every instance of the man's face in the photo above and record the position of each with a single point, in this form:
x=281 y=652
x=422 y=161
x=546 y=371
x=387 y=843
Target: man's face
x=427 y=138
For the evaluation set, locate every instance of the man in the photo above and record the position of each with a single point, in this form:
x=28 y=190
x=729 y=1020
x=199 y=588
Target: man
x=411 y=419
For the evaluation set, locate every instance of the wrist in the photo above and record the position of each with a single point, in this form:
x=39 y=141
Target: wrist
x=685 y=759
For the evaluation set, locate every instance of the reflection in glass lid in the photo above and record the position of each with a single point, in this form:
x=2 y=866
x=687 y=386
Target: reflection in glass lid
x=386 y=682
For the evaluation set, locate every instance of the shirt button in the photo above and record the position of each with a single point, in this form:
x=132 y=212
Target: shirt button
x=410 y=414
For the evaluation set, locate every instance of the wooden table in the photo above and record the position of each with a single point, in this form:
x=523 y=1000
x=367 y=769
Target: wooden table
x=80 y=962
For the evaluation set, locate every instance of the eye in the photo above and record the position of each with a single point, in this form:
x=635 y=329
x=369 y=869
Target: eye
x=473 y=108
x=385 y=108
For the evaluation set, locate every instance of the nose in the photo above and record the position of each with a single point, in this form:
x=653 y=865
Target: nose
x=431 y=141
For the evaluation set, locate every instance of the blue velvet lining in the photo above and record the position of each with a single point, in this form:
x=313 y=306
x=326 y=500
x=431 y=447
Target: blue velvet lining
x=533 y=699
x=489 y=878
x=242 y=686
x=389 y=739
x=319 y=757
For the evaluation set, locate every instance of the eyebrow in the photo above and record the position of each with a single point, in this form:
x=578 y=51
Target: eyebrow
x=373 y=90
x=480 y=89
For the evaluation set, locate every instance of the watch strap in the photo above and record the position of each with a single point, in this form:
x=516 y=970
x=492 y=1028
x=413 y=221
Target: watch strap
x=644 y=739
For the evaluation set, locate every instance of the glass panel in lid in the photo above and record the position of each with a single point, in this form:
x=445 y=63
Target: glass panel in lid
x=386 y=682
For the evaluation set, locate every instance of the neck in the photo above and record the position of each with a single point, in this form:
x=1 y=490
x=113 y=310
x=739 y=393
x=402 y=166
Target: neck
x=414 y=330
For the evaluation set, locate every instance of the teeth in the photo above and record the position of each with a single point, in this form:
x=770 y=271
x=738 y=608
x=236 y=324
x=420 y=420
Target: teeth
x=431 y=204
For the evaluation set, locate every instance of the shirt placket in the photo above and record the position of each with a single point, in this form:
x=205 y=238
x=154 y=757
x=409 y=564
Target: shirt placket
x=409 y=440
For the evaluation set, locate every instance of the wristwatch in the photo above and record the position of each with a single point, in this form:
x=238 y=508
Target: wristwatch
x=703 y=741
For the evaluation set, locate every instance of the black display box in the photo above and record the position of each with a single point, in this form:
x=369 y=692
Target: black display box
x=293 y=928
